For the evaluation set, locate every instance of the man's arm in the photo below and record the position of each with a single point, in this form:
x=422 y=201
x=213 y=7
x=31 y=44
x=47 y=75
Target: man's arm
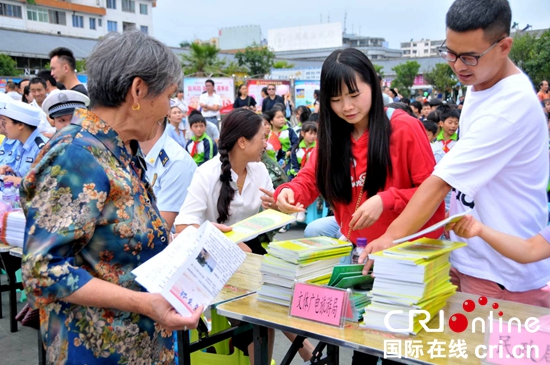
x=421 y=207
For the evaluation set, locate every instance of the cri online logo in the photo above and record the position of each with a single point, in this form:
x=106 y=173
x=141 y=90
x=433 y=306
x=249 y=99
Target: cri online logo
x=458 y=322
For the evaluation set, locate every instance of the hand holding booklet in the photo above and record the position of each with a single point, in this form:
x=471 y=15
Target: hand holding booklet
x=193 y=269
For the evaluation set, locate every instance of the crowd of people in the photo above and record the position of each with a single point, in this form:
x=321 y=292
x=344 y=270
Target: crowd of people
x=107 y=172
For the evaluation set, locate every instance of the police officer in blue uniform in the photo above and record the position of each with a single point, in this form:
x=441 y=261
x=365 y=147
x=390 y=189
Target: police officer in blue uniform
x=20 y=121
x=8 y=146
x=169 y=170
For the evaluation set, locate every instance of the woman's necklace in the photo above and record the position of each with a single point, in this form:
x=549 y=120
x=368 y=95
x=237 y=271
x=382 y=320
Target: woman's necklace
x=240 y=186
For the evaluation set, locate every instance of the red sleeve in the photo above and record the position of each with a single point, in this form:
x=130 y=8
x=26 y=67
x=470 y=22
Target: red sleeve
x=408 y=143
x=303 y=185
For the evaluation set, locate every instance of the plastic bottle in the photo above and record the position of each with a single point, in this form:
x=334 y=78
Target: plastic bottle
x=9 y=194
x=358 y=250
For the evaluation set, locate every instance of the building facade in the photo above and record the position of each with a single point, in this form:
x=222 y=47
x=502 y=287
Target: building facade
x=77 y=18
x=421 y=48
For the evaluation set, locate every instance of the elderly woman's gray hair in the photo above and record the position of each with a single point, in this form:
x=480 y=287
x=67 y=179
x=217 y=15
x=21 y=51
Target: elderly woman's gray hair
x=119 y=58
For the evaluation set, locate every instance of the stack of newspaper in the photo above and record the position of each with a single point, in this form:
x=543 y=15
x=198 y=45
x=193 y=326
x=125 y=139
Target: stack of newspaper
x=305 y=260
x=13 y=228
x=410 y=276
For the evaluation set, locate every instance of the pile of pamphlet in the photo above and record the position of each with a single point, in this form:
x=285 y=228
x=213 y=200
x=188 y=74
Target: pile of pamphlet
x=410 y=276
x=305 y=260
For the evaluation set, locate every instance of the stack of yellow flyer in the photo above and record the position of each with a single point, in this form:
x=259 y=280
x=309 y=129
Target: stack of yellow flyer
x=410 y=276
x=306 y=260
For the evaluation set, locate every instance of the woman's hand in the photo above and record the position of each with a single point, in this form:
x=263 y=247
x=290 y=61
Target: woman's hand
x=367 y=214
x=222 y=227
x=6 y=170
x=14 y=179
x=161 y=311
x=286 y=204
x=267 y=200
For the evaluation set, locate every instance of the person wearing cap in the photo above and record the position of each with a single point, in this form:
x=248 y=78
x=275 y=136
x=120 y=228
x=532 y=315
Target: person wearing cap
x=61 y=104
x=8 y=146
x=21 y=121
x=170 y=170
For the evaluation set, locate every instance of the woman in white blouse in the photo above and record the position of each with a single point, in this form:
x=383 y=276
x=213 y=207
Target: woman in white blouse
x=234 y=185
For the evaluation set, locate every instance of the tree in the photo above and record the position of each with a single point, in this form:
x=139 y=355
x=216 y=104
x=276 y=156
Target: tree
x=405 y=74
x=258 y=59
x=201 y=60
x=81 y=65
x=283 y=64
x=7 y=66
x=522 y=49
x=185 y=44
x=538 y=67
x=378 y=69
x=233 y=68
x=441 y=77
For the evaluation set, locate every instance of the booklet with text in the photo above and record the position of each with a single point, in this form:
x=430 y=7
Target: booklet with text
x=265 y=221
x=452 y=219
x=193 y=269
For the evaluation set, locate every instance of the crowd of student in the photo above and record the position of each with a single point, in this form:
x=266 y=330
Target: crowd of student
x=132 y=163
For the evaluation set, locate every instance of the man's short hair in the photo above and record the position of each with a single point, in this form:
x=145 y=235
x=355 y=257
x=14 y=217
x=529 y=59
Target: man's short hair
x=430 y=126
x=493 y=16
x=196 y=117
x=417 y=105
x=210 y=81
x=47 y=76
x=11 y=85
x=64 y=54
x=38 y=80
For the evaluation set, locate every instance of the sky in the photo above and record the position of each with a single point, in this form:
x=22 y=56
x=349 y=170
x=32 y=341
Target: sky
x=395 y=20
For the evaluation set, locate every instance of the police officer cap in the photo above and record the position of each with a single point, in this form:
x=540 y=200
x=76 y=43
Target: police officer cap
x=64 y=102
x=21 y=112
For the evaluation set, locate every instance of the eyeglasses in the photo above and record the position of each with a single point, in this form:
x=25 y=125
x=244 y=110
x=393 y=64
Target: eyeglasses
x=467 y=59
x=270 y=89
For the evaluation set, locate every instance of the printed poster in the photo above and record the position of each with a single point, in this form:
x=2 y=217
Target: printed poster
x=193 y=87
x=255 y=87
x=303 y=92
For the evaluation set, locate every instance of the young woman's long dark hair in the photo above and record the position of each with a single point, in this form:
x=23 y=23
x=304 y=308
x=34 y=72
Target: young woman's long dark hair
x=238 y=123
x=334 y=136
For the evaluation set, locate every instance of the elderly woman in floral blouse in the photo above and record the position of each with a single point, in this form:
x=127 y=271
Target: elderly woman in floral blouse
x=91 y=217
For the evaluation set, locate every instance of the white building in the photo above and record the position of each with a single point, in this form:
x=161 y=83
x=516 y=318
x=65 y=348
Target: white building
x=421 y=48
x=77 y=18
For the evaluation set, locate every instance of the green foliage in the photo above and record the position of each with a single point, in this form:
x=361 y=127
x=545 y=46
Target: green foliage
x=258 y=59
x=81 y=65
x=233 y=68
x=531 y=54
x=185 y=44
x=202 y=60
x=378 y=69
x=405 y=74
x=441 y=77
x=7 y=66
x=283 y=64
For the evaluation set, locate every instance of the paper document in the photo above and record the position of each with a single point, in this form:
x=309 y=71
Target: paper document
x=193 y=269
x=452 y=219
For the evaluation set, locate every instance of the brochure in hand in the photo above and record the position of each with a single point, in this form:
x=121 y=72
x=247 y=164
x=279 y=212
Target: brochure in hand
x=193 y=269
x=265 y=221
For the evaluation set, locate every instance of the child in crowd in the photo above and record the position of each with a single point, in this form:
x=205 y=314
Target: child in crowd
x=431 y=130
x=518 y=249
x=302 y=150
x=200 y=146
x=448 y=122
x=282 y=138
x=302 y=114
x=426 y=109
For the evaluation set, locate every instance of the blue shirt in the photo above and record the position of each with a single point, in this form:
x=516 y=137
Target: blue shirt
x=169 y=170
x=90 y=214
x=8 y=150
x=178 y=137
x=27 y=152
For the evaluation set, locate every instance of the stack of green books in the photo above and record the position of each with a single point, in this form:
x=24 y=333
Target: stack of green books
x=351 y=277
x=305 y=260
x=410 y=276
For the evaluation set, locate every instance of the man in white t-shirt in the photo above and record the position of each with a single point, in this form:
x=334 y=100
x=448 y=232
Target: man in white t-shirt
x=210 y=103
x=498 y=167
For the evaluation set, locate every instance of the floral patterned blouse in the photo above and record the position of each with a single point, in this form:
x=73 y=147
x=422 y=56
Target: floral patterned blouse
x=89 y=214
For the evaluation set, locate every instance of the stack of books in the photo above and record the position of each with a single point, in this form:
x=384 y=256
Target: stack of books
x=410 y=276
x=13 y=228
x=306 y=260
x=351 y=277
